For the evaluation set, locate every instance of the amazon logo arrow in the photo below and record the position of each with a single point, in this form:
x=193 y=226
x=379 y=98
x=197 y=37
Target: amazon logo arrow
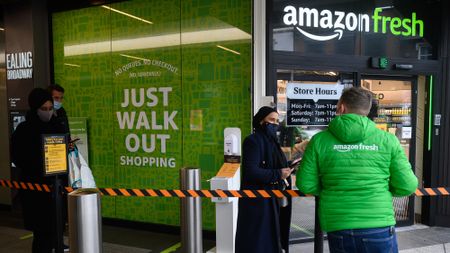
x=337 y=34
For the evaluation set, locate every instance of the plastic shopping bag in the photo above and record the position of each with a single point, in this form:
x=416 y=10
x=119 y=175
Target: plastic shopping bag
x=74 y=169
x=80 y=175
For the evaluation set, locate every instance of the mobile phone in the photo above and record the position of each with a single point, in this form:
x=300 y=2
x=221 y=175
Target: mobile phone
x=74 y=140
x=294 y=163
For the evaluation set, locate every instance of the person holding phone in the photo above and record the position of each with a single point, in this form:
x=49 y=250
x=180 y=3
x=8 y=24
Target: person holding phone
x=263 y=224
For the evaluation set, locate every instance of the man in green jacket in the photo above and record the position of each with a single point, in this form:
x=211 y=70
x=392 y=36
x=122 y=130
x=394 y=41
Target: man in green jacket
x=356 y=168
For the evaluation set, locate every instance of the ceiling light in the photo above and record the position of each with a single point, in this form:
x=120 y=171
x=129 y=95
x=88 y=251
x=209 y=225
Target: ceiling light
x=2 y=29
x=386 y=7
x=127 y=14
x=227 y=49
x=167 y=40
x=72 y=65
x=133 y=57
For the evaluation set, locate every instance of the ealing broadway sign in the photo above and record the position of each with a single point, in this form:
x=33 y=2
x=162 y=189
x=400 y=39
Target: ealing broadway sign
x=19 y=65
x=338 y=21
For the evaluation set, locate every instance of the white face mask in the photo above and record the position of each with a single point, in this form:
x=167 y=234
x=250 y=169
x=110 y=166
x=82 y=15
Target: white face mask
x=45 y=115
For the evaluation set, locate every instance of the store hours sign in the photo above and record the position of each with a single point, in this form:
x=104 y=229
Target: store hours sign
x=312 y=104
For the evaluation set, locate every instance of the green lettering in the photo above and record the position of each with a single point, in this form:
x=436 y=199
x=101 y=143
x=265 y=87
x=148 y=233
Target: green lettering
x=385 y=20
x=375 y=18
x=395 y=23
x=406 y=25
x=416 y=22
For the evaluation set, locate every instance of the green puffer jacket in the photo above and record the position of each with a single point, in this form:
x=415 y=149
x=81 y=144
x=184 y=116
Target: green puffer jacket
x=355 y=168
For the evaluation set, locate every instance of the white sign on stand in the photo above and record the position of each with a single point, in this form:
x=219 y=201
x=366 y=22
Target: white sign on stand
x=227 y=178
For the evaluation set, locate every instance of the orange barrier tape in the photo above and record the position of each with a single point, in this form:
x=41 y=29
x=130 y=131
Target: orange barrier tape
x=439 y=191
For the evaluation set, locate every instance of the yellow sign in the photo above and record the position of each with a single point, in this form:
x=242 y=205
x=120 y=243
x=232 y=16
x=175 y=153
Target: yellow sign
x=228 y=170
x=55 y=154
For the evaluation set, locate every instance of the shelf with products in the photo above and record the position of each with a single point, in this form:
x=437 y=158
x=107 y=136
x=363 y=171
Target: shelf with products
x=404 y=120
x=395 y=111
x=394 y=115
x=392 y=105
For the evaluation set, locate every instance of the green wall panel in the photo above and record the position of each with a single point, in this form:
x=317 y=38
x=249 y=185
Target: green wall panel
x=193 y=64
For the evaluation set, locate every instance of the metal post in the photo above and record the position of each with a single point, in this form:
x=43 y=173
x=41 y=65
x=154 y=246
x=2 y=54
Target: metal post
x=318 y=234
x=59 y=220
x=85 y=221
x=191 y=212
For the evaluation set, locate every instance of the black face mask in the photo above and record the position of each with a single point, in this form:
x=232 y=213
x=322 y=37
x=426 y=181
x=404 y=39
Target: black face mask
x=272 y=129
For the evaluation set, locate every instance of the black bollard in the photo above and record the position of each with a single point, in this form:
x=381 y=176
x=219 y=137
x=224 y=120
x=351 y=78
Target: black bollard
x=318 y=234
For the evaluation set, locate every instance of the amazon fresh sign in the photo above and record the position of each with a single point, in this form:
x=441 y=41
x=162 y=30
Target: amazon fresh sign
x=338 y=22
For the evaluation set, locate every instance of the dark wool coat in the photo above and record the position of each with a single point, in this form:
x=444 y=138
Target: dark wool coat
x=26 y=152
x=261 y=221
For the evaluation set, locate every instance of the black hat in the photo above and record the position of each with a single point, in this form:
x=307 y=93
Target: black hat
x=261 y=114
x=38 y=97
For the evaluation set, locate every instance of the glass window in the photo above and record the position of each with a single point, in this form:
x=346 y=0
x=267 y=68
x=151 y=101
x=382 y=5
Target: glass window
x=158 y=82
x=402 y=29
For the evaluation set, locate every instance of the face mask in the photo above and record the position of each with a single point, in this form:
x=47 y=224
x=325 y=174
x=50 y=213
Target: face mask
x=45 y=116
x=272 y=129
x=57 y=105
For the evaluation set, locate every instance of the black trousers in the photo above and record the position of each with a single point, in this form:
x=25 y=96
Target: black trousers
x=43 y=242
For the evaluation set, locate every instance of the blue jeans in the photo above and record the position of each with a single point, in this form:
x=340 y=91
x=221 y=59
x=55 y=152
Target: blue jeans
x=369 y=240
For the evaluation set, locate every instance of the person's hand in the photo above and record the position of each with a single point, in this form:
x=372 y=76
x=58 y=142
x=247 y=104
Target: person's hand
x=286 y=172
x=300 y=147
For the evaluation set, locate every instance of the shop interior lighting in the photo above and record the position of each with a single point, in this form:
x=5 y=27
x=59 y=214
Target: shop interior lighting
x=160 y=41
x=2 y=29
x=386 y=7
x=127 y=14
x=72 y=65
x=133 y=57
x=229 y=50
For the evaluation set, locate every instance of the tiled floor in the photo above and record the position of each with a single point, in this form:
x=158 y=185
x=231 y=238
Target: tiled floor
x=13 y=239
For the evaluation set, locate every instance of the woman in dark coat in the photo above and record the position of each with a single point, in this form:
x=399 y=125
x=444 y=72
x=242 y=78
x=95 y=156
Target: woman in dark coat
x=37 y=207
x=263 y=224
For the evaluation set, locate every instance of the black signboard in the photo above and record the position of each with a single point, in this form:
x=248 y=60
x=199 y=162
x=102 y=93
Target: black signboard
x=302 y=112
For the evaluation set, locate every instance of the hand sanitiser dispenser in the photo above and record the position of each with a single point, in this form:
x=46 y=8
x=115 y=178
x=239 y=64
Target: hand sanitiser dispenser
x=231 y=144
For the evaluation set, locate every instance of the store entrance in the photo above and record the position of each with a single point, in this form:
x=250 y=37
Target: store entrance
x=399 y=108
x=394 y=110
x=300 y=119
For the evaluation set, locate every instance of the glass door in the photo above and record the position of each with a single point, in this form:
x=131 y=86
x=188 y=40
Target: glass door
x=300 y=118
x=394 y=112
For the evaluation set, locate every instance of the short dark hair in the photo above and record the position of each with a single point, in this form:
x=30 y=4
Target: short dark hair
x=357 y=100
x=56 y=87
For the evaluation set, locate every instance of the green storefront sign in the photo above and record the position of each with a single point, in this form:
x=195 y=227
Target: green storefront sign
x=157 y=94
x=338 y=22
